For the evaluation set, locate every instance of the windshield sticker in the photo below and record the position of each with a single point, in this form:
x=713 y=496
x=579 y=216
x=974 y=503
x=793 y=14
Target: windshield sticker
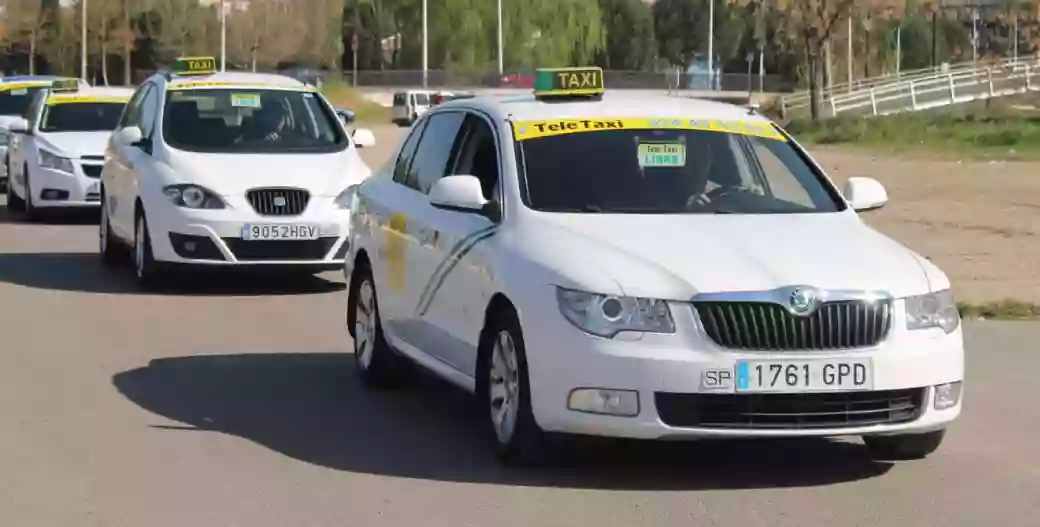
x=245 y=100
x=75 y=99
x=19 y=91
x=667 y=155
x=524 y=130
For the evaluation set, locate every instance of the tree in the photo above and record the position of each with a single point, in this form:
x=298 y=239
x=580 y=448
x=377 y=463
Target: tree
x=629 y=28
x=814 y=22
x=681 y=27
x=27 y=20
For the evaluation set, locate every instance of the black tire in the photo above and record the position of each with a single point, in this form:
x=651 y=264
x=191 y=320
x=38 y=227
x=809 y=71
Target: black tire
x=14 y=203
x=149 y=272
x=904 y=447
x=527 y=445
x=112 y=251
x=31 y=212
x=376 y=363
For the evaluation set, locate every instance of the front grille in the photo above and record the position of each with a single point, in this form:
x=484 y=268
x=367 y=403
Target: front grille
x=278 y=201
x=92 y=171
x=768 y=326
x=259 y=250
x=790 y=411
x=93 y=158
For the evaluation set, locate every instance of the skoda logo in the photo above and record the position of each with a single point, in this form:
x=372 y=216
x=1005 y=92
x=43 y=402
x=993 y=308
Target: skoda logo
x=803 y=301
x=279 y=201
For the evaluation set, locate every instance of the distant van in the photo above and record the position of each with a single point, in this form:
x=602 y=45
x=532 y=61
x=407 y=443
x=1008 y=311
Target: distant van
x=409 y=105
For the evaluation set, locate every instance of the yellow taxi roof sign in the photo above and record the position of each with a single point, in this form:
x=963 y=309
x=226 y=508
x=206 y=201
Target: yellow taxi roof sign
x=556 y=83
x=186 y=66
x=65 y=86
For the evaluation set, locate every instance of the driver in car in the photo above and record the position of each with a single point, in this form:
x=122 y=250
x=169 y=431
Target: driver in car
x=708 y=185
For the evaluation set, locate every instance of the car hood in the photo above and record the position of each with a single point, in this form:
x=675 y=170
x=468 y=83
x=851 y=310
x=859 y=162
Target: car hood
x=234 y=174
x=75 y=144
x=678 y=256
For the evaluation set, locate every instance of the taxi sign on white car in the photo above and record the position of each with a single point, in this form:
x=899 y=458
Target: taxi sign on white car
x=648 y=267
x=221 y=170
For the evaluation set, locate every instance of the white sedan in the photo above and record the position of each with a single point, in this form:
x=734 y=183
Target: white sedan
x=646 y=267
x=228 y=169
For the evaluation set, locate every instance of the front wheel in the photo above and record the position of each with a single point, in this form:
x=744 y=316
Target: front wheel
x=506 y=389
x=148 y=271
x=14 y=202
x=112 y=252
x=904 y=447
x=32 y=213
x=376 y=363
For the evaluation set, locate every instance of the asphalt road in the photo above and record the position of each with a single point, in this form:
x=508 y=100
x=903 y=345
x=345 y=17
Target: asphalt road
x=232 y=402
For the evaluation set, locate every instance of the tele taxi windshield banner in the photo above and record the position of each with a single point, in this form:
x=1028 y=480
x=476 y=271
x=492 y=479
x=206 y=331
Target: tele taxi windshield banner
x=524 y=130
x=83 y=99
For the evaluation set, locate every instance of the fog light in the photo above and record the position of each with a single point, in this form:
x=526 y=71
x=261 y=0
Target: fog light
x=189 y=246
x=603 y=401
x=947 y=395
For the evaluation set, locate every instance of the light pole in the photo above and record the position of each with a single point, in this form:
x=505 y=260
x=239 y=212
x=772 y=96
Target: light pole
x=500 y=68
x=848 y=56
x=83 y=41
x=711 y=45
x=425 y=46
x=223 y=37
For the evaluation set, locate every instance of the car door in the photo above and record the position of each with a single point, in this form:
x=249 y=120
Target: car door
x=132 y=162
x=23 y=144
x=429 y=164
x=388 y=206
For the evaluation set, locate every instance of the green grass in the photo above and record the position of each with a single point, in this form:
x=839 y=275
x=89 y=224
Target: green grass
x=342 y=95
x=995 y=133
x=1007 y=309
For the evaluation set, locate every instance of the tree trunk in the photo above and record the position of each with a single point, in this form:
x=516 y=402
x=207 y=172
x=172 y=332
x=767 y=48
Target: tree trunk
x=104 y=63
x=128 y=45
x=828 y=67
x=813 y=55
x=866 y=55
x=32 y=52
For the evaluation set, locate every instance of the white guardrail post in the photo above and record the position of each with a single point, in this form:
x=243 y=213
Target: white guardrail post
x=953 y=92
x=873 y=101
x=989 y=78
x=913 y=97
x=1029 y=84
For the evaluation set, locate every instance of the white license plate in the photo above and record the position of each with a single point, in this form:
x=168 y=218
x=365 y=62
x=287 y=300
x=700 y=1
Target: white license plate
x=279 y=231
x=94 y=188
x=811 y=375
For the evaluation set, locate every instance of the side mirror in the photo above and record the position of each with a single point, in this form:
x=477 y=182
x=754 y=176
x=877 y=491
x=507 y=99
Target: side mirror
x=865 y=193
x=364 y=138
x=19 y=126
x=129 y=136
x=459 y=192
x=345 y=116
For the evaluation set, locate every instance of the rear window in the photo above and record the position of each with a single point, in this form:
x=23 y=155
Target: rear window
x=16 y=101
x=399 y=99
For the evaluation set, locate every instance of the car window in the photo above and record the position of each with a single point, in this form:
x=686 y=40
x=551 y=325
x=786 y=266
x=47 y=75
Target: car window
x=404 y=158
x=80 y=116
x=133 y=109
x=17 y=100
x=434 y=150
x=478 y=155
x=670 y=171
x=148 y=112
x=422 y=99
x=32 y=113
x=399 y=99
x=251 y=120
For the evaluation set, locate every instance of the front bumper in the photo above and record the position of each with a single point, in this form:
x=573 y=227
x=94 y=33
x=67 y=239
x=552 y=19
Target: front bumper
x=667 y=374
x=54 y=189
x=214 y=237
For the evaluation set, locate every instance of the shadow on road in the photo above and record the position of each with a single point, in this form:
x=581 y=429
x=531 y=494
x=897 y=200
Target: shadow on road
x=83 y=272
x=50 y=217
x=309 y=407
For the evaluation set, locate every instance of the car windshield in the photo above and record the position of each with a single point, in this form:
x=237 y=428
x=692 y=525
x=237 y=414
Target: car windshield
x=81 y=117
x=16 y=101
x=669 y=171
x=251 y=121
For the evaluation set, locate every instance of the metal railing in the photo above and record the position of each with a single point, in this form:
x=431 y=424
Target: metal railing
x=958 y=84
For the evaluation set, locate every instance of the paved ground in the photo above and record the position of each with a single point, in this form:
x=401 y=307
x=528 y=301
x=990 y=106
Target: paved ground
x=233 y=403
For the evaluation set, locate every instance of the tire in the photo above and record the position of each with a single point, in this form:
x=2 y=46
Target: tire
x=148 y=271
x=14 y=202
x=904 y=447
x=109 y=247
x=376 y=363
x=505 y=388
x=31 y=212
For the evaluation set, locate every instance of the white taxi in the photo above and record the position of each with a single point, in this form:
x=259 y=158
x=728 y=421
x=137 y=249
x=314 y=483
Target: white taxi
x=16 y=95
x=57 y=158
x=228 y=169
x=645 y=267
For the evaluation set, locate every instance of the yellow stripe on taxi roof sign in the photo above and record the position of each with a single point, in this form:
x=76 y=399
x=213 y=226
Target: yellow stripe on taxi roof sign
x=9 y=86
x=81 y=99
x=524 y=130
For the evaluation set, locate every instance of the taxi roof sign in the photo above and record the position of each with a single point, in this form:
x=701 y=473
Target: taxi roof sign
x=65 y=86
x=568 y=83
x=185 y=66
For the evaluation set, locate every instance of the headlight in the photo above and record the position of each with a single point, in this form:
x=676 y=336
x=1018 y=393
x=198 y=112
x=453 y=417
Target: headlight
x=934 y=310
x=193 y=197
x=607 y=315
x=345 y=200
x=55 y=162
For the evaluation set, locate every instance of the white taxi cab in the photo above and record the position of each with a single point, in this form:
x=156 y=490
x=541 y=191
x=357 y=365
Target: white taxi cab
x=645 y=267
x=16 y=95
x=56 y=160
x=228 y=169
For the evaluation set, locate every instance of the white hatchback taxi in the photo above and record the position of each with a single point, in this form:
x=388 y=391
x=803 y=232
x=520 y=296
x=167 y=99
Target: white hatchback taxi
x=646 y=267
x=56 y=160
x=228 y=169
